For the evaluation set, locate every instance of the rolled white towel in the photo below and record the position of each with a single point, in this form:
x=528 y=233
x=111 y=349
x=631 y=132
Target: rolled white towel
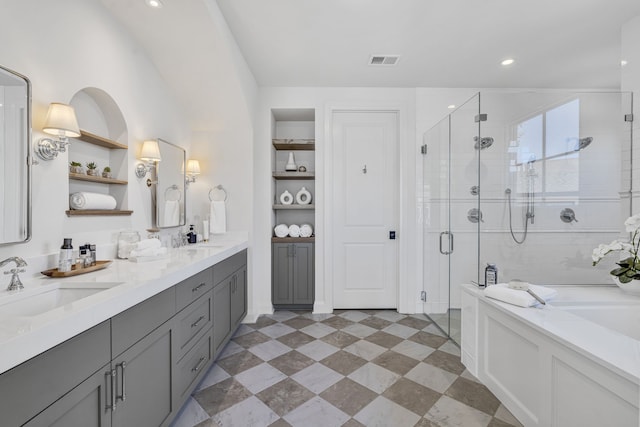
x=148 y=243
x=281 y=230
x=502 y=292
x=294 y=230
x=85 y=200
x=136 y=253
x=306 y=230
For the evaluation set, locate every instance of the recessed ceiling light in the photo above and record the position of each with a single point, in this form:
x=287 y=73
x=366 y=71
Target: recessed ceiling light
x=156 y=4
x=623 y=63
x=451 y=107
x=507 y=62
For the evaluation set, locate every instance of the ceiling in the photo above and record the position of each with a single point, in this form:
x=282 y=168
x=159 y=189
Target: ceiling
x=442 y=43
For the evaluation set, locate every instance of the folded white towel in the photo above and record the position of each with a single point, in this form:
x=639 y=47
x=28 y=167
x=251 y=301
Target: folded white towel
x=148 y=252
x=148 y=243
x=294 y=230
x=502 y=292
x=281 y=230
x=218 y=217
x=85 y=200
x=306 y=230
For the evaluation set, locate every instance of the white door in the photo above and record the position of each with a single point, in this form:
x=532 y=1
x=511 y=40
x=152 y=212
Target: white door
x=365 y=209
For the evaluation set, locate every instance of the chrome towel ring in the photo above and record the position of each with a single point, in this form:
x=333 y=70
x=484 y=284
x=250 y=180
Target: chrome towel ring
x=173 y=188
x=220 y=188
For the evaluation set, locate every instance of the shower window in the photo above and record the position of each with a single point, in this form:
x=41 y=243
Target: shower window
x=546 y=150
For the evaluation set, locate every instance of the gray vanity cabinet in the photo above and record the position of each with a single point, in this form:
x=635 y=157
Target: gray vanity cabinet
x=229 y=298
x=86 y=405
x=293 y=276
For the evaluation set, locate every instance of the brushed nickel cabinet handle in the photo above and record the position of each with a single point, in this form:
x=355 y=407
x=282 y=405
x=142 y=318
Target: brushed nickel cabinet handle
x=199 y=365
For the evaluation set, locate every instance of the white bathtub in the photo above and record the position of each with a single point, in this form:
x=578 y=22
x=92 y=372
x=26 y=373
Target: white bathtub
x=575 y=362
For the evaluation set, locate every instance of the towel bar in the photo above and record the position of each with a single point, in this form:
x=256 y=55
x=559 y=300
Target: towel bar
x=218 y=187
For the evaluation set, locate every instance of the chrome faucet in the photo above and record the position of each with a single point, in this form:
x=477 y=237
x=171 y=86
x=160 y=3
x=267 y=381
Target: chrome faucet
x=14 y=283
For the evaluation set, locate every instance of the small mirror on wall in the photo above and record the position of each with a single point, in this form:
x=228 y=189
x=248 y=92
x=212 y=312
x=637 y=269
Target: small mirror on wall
x=170 y=186
x=15 y=155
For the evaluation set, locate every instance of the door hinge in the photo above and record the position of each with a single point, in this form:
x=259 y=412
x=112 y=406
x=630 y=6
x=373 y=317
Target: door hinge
x=480 y=118
x=423 y=296
x=423 y=149
x=628 y=117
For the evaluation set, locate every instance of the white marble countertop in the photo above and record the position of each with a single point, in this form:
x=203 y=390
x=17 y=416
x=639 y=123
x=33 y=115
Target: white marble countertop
x=23 y=337
x=617 y=351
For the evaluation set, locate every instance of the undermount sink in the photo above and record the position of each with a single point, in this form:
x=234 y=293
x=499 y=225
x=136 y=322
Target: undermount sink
x=204 y=246
x=42 y=299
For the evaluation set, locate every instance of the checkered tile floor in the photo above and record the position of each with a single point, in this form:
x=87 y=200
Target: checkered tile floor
x=350 y=368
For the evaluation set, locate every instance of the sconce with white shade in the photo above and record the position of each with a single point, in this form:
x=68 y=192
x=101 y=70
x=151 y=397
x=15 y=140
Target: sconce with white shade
x=193 y=170
x=150 y=154
x=60 y=121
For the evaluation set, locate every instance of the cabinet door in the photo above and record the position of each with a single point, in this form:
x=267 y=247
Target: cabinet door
x=143 y=381
x=303 y=289
x=87 y=405
x=281 y=283
x=239 y=297
x=221 y=313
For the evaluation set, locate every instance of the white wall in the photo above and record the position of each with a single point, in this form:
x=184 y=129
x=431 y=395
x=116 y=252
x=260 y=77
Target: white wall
x=69 y=45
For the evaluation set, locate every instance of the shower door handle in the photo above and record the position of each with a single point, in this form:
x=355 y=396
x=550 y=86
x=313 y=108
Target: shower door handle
x=449 y=243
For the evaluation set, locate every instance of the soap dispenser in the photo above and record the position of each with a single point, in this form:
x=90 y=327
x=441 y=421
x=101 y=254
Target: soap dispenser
x=192 y=235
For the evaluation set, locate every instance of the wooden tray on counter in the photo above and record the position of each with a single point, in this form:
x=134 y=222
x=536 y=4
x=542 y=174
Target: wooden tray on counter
x=53 y=272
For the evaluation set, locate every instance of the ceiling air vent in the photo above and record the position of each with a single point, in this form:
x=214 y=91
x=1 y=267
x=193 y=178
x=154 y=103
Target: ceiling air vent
x=384 y=59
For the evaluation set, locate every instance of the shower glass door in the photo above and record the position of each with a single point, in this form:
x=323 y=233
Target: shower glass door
x=450 y=214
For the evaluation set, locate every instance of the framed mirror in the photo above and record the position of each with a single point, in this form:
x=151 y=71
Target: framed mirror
x=15 y=157
x=170 y=186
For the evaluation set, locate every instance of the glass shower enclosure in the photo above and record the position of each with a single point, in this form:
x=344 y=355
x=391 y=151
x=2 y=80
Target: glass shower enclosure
x=529 y=181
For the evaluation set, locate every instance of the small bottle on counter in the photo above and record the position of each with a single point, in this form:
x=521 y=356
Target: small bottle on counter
x=65 y=260
x=193 y=238
x=92 y=251
x=490 y=275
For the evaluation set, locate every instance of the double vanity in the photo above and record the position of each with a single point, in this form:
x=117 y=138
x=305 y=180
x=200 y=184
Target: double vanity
x=123 y=346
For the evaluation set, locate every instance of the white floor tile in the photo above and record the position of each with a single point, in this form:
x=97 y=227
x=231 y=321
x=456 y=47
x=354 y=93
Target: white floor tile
x=190 y=414
x=359 y=330
x=269 y=350
x=365 y=349
x=277 y=330
x=384 y=413
x=432 y=377
x=318 y=330
x=448 y=412
x=413 y=349
x=317 y=412
x=401 y=331
x=317 y=350
x=391 y=316
x=230 y=349
x=214 y=376
x=374 y=377
x=354 y=315
x=317 y=377
x=250 y=412
x=260 y=377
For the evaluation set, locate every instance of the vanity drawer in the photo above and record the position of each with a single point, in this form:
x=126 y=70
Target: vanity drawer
x=225 y=268
x=192 y=367
x=130 y=326
x=193 y=288
x=192 y=322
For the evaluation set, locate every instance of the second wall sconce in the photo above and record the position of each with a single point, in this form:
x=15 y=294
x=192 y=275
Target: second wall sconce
x=150 y=154
x=193 y=169
x=60 y=121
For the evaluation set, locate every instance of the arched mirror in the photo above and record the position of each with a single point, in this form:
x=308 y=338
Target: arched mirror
x=170 y=186
x=15 y=157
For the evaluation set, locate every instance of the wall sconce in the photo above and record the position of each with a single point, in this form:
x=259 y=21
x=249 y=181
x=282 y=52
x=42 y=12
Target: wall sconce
x=150 y=153
x=193 y=169
x=61 y=121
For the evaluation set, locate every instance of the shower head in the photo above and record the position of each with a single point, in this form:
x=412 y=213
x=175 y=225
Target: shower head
x=584 y=142
x=483 y=142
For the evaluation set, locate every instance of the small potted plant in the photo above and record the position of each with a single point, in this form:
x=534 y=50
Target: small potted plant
x=92 y=169
x=106 y=172
x=76 y=167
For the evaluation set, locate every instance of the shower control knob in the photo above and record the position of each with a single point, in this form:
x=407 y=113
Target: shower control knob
x=568 y=215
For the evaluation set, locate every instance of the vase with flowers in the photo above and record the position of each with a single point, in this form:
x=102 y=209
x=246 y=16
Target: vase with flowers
x=627 y=274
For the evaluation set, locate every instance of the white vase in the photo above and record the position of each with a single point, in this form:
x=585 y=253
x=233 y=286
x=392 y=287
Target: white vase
x=303 y=197
x=291 y=163
x=633 y=287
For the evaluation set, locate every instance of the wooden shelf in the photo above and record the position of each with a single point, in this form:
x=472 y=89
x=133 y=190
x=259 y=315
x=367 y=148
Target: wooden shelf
x=98 y=140
x=92 y=178
x=294 y=175
x=97 y=212
x=311 y=239
x=294 y=207
x=294 y=144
